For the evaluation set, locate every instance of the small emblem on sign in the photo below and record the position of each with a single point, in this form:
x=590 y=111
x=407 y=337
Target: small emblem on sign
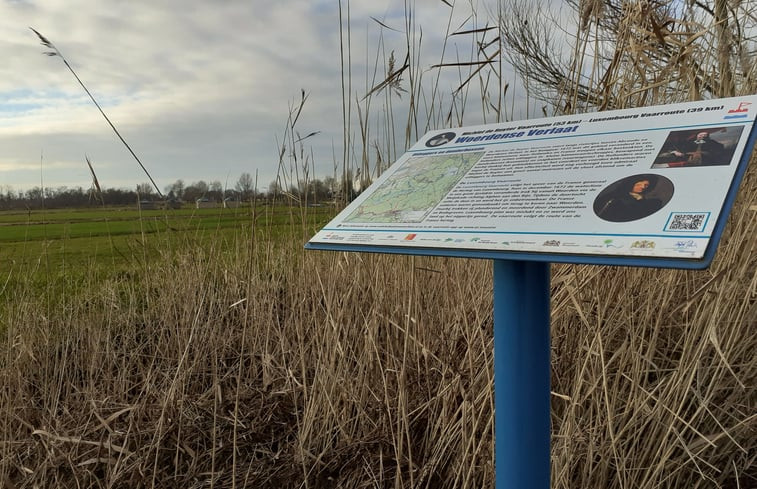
x=643 y=244
x=685 y=244
x=440 y=139
x=739 y=112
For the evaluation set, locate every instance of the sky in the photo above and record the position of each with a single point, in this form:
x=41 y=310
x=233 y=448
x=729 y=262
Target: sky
x=200 y=90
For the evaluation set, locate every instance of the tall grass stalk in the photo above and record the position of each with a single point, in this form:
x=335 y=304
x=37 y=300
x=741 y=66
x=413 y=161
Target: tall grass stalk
x=56 y=53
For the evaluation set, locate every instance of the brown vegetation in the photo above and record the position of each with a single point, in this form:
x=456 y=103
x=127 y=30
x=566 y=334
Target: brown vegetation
x=256 y=364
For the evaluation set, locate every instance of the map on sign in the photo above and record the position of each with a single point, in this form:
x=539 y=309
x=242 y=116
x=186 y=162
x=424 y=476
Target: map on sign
x=645 y=186
x=415 y=189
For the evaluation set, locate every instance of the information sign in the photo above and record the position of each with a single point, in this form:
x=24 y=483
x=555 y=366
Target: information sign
x=646 y=187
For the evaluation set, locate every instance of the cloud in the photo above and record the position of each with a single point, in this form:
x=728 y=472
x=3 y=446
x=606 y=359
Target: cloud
x=198 y=89
x=24 y=166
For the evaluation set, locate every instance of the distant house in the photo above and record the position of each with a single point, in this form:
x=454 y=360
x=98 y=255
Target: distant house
x=147 y=205
x=205 y=203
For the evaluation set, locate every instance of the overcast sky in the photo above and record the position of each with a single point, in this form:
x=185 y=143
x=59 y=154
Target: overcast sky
x=200 y=89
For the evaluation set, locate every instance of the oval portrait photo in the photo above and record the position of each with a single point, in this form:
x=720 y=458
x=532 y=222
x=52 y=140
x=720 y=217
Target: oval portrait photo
x=634 y=197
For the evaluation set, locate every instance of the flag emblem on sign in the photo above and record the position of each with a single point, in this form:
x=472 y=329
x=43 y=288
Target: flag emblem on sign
x=739 y=112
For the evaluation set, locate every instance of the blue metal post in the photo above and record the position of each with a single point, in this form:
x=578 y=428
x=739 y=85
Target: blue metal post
x=521 y=374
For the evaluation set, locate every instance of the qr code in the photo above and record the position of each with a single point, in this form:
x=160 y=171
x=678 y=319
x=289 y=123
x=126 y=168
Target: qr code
x=687 y=222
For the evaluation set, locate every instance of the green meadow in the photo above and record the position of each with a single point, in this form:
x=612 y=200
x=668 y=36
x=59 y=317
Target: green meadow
x=43 y=244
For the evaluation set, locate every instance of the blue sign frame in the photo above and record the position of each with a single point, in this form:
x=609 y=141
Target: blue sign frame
x=614 y=260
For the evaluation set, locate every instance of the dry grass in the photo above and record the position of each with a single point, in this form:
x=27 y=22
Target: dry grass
x=260 y=369
x=656 y=371
x=269 y=367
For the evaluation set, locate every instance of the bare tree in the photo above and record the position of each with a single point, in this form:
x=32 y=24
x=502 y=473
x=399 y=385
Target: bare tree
x=245 y=186
x=177 y=188
x=196 y=190
x=145 y=190
x=215 y=190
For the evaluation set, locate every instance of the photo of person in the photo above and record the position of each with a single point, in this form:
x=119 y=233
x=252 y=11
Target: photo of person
x=699 y=147
x=633 y=197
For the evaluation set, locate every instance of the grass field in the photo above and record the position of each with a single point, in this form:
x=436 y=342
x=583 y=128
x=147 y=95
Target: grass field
x=111 y=239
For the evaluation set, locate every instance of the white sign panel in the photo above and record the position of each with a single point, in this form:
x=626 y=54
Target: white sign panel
x=647 y=182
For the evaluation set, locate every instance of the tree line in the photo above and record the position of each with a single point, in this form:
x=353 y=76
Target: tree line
x=245 y=189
